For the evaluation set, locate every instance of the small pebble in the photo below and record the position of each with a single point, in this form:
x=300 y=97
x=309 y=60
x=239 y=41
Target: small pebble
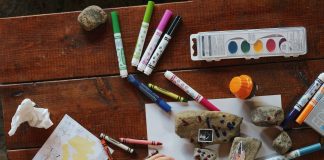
x=282 y=143
x=91 y=17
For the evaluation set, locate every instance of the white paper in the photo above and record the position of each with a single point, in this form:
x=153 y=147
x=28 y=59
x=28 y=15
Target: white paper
x=71 y=141
x=161 y=127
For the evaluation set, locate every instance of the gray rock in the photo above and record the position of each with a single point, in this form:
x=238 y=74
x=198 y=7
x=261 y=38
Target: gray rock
x=224 y=126
x=267 y=116
x=204 y=154
x=91 y=17
x=282 y=143
x=248 y=145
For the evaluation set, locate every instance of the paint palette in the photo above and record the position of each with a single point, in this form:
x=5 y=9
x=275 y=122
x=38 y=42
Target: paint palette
x=248 y=44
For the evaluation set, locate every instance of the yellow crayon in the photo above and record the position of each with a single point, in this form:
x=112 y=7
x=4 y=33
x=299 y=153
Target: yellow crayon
x=167 y=93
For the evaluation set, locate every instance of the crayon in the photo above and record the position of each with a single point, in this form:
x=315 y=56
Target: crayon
x=116 y=143
x=190 y=91
x=167 y=93
x=137 y=141
x=104 y=144
x=142 y=34
x=310 y=106
x=119 y=45
x=149 y=93
x=154 y=41
x=303 y=100
x=162 y=45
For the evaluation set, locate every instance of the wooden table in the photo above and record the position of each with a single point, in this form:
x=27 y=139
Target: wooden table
x=51 y=60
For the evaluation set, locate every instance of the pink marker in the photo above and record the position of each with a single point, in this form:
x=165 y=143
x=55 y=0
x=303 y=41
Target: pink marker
x=191 y=92
x=154 y=41
x=136 y=141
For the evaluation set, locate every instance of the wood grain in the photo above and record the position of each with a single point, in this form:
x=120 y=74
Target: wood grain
x=112 y=105
x=51 y=47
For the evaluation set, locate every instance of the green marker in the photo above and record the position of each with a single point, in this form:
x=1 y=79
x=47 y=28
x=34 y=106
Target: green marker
x=142 y=34
x=119 y=45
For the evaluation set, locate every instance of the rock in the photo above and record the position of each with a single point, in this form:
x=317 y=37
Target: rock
x=91 y=17
x=204 y=154
x=224 y=126
x=249 y=145
x=267 y=116
x=282 y=143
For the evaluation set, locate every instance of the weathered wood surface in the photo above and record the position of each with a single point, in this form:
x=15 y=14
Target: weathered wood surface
x=112 y=105
x=54 y=47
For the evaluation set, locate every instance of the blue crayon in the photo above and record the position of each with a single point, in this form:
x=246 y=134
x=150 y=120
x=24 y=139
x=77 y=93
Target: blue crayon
x=149 y=93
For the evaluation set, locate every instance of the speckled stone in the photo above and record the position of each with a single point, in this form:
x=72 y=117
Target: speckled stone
x=225 y=126
x=267 y=116
x=91 y=17
x=282 y=143
x=250 y=146
x=204 y=154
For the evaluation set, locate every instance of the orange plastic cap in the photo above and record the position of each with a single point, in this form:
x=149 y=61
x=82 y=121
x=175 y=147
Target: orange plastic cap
x=241 y=86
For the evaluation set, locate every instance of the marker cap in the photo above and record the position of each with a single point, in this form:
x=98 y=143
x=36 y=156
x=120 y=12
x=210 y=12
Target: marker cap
x=241 y=86
x=148 y=11
x=115 y=23
x=164 y=21
x=173 y=25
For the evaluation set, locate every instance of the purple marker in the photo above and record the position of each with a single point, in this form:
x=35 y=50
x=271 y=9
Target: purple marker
x=154 y=41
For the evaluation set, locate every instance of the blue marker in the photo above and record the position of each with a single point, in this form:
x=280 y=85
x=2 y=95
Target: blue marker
x=149 y=93
x=304 y=100
x=305 y=150
x=298 y=152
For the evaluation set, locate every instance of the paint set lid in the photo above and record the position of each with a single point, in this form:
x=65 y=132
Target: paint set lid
x=241 y=86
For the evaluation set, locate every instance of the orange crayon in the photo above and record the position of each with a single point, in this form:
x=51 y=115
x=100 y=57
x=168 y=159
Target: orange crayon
x=137 y=141
x=104 y=144
x=310 y=106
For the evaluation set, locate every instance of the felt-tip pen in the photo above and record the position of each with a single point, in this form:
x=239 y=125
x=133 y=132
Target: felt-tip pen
x=149 y=93
x=304 y=100
x=142 y=34
x=190 y=91
x=119 y=45
x=154 y=41
x=161 y=47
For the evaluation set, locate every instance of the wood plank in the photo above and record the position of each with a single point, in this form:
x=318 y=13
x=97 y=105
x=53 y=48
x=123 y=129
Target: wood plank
x=112 y=105
x=53 y=46
x=22 y=154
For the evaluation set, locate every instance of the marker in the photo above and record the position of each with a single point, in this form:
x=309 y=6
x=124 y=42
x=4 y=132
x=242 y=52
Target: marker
x=191 y=92
x=167 y=93
x=303 y=100
x=119 y=45
x=116 y=143
x=106 y=148
x=154 y=41
x=137 y=141
x=299 y=152
x=149 y=93
x=142 y=34
x=311 y=104
x=161 y=47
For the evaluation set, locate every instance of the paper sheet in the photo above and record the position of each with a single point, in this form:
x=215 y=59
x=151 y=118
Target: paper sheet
x=70 y=141
x=161 y=127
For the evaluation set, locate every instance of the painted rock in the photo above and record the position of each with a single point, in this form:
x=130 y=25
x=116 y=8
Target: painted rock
x=244 y=147
x=204 y=128
x=91 y=17
x=204 y=154
x=282 y=143
x=266 y=116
